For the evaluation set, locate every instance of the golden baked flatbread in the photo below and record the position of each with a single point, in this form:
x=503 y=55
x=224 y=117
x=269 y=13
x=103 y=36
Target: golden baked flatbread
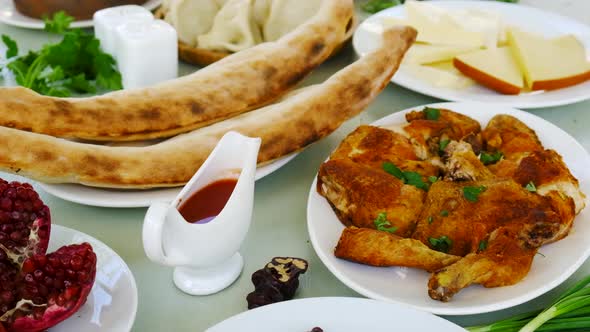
x=238 y=83
x=297 y=121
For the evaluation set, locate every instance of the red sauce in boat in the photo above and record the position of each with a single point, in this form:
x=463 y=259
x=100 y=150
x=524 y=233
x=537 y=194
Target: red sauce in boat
x=206 y=203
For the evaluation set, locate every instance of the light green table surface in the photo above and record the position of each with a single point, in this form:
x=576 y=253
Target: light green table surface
x=279 y=222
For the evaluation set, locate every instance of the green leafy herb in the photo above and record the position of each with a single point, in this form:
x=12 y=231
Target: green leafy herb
x=431 y=113
x=483 y=244
x=11 y=47
x=444 y=213
x=442 y=243
x=393 y=170
x=471 y=193
x=59 y=23
x=374 y=6
x=443 y=144
x=531 y=187
x=382 y=224
x=568 y=312
x=433 y=178
x=490 y=158
x=430 y=219
x=76 y=64
x=411 y=178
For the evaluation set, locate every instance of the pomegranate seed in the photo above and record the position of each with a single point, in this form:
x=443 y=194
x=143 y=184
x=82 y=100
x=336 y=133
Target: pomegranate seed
x=38 y=274
x=6 y=204
x=76 y=262
x=15 y=236
x=28 y=266
x=29 y=278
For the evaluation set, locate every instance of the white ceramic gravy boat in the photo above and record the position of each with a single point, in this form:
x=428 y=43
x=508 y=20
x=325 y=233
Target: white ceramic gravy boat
x=205 y=255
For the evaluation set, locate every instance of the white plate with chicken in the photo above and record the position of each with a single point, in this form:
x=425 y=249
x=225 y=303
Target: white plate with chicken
x=453 y=208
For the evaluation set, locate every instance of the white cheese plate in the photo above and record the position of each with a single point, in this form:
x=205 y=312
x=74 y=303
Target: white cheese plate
x=367 y=37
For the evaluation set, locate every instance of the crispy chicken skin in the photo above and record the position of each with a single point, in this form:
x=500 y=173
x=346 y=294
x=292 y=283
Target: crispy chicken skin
x=449 y=125
x=511 y=136
x=448 y=212
x=372 y=146
x=527 y=161
x=358 y=194
x=378 y=248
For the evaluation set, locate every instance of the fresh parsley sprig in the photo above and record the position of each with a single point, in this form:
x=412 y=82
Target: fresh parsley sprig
x=411 y=178
x=382 y=224
x=76 y=64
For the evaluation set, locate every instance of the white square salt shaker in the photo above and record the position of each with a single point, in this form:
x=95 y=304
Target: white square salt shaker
x=108 y=19
x=147 y=53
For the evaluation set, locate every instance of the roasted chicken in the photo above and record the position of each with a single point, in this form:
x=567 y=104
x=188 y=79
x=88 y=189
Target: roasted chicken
x=474 y=223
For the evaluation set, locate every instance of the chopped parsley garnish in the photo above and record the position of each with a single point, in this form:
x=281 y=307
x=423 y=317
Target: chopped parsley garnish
x=430 y=219
x=444 y=213
x=483 y=244
x=433 y=178
x=76 y=64
x=374 y=6
x=443 y=144
x=431 y=113
x=411 y=178
x=471 y=193
x=531 y=187
x=442 y=244
x=382 y=224
x=490 y=158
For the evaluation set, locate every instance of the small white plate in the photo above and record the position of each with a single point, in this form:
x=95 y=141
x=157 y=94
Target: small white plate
x=409 y=286
x=9 y=15
x=367 y=37
x=128 y=198
x=112 y=303
x=334 y=314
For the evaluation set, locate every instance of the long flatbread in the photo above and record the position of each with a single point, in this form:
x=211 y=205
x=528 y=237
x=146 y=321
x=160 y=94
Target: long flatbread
x=241 y=82
x=285 y=127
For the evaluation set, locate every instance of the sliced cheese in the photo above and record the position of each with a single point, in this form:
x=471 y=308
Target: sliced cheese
x=425 y=54
x=435 y=26
x=494 y=68
x=441 y=74
x=549 y=63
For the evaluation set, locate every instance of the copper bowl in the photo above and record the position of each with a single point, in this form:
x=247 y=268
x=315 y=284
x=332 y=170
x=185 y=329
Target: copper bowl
x=79 y=9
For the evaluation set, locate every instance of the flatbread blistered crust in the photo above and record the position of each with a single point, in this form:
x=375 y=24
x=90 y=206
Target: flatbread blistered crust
x=238 y=83
x=285 y=127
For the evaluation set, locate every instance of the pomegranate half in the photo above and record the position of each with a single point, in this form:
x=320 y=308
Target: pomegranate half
x=37 y=291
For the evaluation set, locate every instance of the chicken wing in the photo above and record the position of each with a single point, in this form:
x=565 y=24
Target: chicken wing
x=377 y=248
x=527 y=162
x=510 y=136
x=372 y=146
x=428 y=128
x=359 y=194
